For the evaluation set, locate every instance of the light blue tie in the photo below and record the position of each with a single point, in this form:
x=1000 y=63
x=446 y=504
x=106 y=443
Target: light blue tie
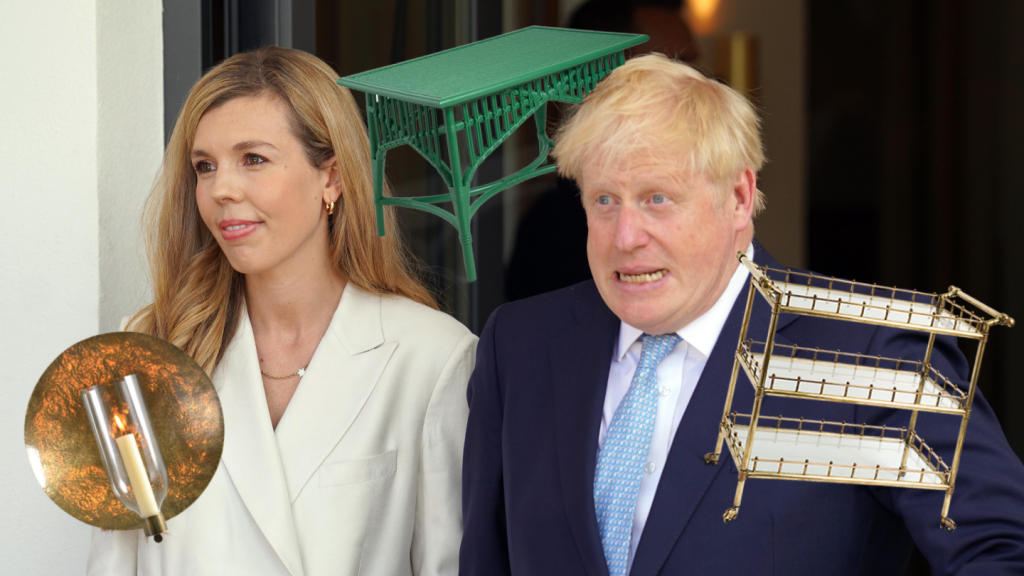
x=622 y=458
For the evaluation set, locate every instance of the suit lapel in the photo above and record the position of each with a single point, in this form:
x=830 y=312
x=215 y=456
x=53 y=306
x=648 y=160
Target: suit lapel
x=686 y=478
x=251 y=453
x=341 y=375
x=580 y=360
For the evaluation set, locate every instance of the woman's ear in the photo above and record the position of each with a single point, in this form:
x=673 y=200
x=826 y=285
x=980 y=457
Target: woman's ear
x=332 y=180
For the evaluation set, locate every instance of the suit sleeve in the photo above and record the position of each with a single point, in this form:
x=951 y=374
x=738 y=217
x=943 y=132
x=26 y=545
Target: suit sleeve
x=113 y=553
x=485 y=542
x=988 y=498
x=438 y=525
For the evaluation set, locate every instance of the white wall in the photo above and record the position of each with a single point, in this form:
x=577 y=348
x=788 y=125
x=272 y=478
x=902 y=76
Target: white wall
x=80 y=139
x=130 y=135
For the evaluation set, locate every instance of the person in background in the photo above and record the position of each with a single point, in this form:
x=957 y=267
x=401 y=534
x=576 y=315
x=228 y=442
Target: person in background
x=592 y=407
x=342 y=386
x=551 y=237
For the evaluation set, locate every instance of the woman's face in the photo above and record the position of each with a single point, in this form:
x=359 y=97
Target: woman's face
x=257 y=192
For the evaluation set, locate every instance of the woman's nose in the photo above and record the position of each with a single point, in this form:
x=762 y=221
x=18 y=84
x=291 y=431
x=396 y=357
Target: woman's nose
x=225 y=187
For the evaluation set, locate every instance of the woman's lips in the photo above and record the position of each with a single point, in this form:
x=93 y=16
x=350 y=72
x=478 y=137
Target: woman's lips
x=231 y=230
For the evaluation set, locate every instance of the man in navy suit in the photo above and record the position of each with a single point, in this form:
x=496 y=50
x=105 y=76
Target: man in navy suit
x=591 y=408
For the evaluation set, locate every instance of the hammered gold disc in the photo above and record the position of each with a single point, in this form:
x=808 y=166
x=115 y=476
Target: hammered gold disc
x=183 y=407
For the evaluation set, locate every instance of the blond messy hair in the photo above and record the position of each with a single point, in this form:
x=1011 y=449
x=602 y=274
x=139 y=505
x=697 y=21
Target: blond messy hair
x=655 y=105
x=197 y=295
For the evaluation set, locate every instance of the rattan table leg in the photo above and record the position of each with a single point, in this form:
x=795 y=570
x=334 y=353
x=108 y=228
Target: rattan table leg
x=460 y=194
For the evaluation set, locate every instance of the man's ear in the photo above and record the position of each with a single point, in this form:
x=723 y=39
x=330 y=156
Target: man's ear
x=744 y=195
x=332 y=182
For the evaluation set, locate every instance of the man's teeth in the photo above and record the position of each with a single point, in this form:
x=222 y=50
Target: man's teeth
x=238 y=227
x=641 y=278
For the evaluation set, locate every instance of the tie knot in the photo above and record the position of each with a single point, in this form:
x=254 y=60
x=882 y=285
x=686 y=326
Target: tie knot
x=653 y=349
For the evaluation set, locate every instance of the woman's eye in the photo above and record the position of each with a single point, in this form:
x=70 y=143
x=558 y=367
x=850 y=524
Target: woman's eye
x=253 y=159
x=202 y=167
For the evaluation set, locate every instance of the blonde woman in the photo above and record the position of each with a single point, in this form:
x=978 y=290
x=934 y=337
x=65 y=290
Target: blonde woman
x=342 y=385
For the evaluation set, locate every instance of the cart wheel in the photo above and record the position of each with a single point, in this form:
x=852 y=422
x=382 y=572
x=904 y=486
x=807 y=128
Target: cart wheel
x=730 y=514
x=711 y=459
x=948 y=524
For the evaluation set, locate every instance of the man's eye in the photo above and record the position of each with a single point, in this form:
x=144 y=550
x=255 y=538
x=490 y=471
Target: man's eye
x=604 y=200
x=202 y=167
x=658 y=199
x=254 y=159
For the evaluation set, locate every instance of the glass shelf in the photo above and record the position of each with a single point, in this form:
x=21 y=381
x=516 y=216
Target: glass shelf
x=853 y=378
x=823 y=451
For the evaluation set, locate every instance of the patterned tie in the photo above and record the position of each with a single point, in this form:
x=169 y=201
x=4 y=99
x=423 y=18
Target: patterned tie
x=622 y=458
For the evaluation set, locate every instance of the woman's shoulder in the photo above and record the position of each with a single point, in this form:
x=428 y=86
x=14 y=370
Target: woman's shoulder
x=405 y=319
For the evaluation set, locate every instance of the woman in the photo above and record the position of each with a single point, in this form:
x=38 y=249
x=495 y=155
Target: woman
x=342 y=386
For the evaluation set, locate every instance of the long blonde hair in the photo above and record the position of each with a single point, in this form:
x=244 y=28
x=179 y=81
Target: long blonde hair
x=197 y=295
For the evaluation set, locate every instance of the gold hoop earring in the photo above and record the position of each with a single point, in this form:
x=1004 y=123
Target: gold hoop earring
x=330 y=208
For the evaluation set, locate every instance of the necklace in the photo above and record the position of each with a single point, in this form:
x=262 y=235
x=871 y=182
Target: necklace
x=300 y=373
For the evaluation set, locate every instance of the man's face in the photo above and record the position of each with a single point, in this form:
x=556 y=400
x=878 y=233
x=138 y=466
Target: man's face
x=661 y=243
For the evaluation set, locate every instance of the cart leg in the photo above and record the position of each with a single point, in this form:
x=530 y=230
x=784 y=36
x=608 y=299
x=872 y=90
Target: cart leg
x=711 y=459
x=731 y=513
x=758 y=396
x=925 y=367
x=948 y=524
x=946 y=521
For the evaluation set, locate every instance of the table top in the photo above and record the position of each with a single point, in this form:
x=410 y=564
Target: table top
x=468 y=72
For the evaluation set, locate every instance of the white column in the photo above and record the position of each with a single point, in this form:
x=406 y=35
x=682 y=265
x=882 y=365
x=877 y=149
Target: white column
x=130 y=147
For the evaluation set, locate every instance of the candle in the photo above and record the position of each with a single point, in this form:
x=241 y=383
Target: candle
x=137 y=475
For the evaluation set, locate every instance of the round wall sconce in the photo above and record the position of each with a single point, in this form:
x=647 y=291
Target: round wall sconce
x=124 y=431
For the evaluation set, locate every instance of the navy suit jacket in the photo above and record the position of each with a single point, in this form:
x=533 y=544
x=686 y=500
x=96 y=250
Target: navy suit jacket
x=536 y=398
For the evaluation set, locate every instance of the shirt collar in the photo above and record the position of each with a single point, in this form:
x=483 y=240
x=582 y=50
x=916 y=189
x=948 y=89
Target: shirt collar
x=702 y=333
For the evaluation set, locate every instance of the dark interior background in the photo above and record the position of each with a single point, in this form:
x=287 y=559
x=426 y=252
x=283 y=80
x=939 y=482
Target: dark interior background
x=914 y=116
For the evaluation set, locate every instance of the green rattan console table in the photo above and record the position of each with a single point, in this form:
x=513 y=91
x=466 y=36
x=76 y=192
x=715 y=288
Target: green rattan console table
x=483 y=91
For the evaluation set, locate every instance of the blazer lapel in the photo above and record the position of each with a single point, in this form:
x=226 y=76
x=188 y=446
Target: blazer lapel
x=580 y=360
x=250 y=450
x=686 y=478
x=342 y=373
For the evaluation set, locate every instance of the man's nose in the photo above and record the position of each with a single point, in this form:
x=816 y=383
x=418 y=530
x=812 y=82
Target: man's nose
x=630 y=230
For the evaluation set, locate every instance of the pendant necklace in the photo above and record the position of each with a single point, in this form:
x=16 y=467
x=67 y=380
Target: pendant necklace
x=301 y=372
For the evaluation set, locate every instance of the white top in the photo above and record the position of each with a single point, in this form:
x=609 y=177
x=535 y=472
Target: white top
x=361 y=475
x=677 y=375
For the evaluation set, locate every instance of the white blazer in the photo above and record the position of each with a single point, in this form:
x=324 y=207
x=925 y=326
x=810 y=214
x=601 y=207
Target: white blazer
x=361 y=476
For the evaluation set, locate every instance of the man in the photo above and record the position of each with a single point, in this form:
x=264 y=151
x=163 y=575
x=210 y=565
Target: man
x=591 y=408
x=557 y=218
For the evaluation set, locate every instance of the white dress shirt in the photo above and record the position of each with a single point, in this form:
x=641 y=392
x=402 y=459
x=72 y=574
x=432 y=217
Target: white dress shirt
x=677 y=375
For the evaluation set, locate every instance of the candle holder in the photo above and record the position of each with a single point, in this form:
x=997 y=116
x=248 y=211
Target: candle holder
x=129 y=449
